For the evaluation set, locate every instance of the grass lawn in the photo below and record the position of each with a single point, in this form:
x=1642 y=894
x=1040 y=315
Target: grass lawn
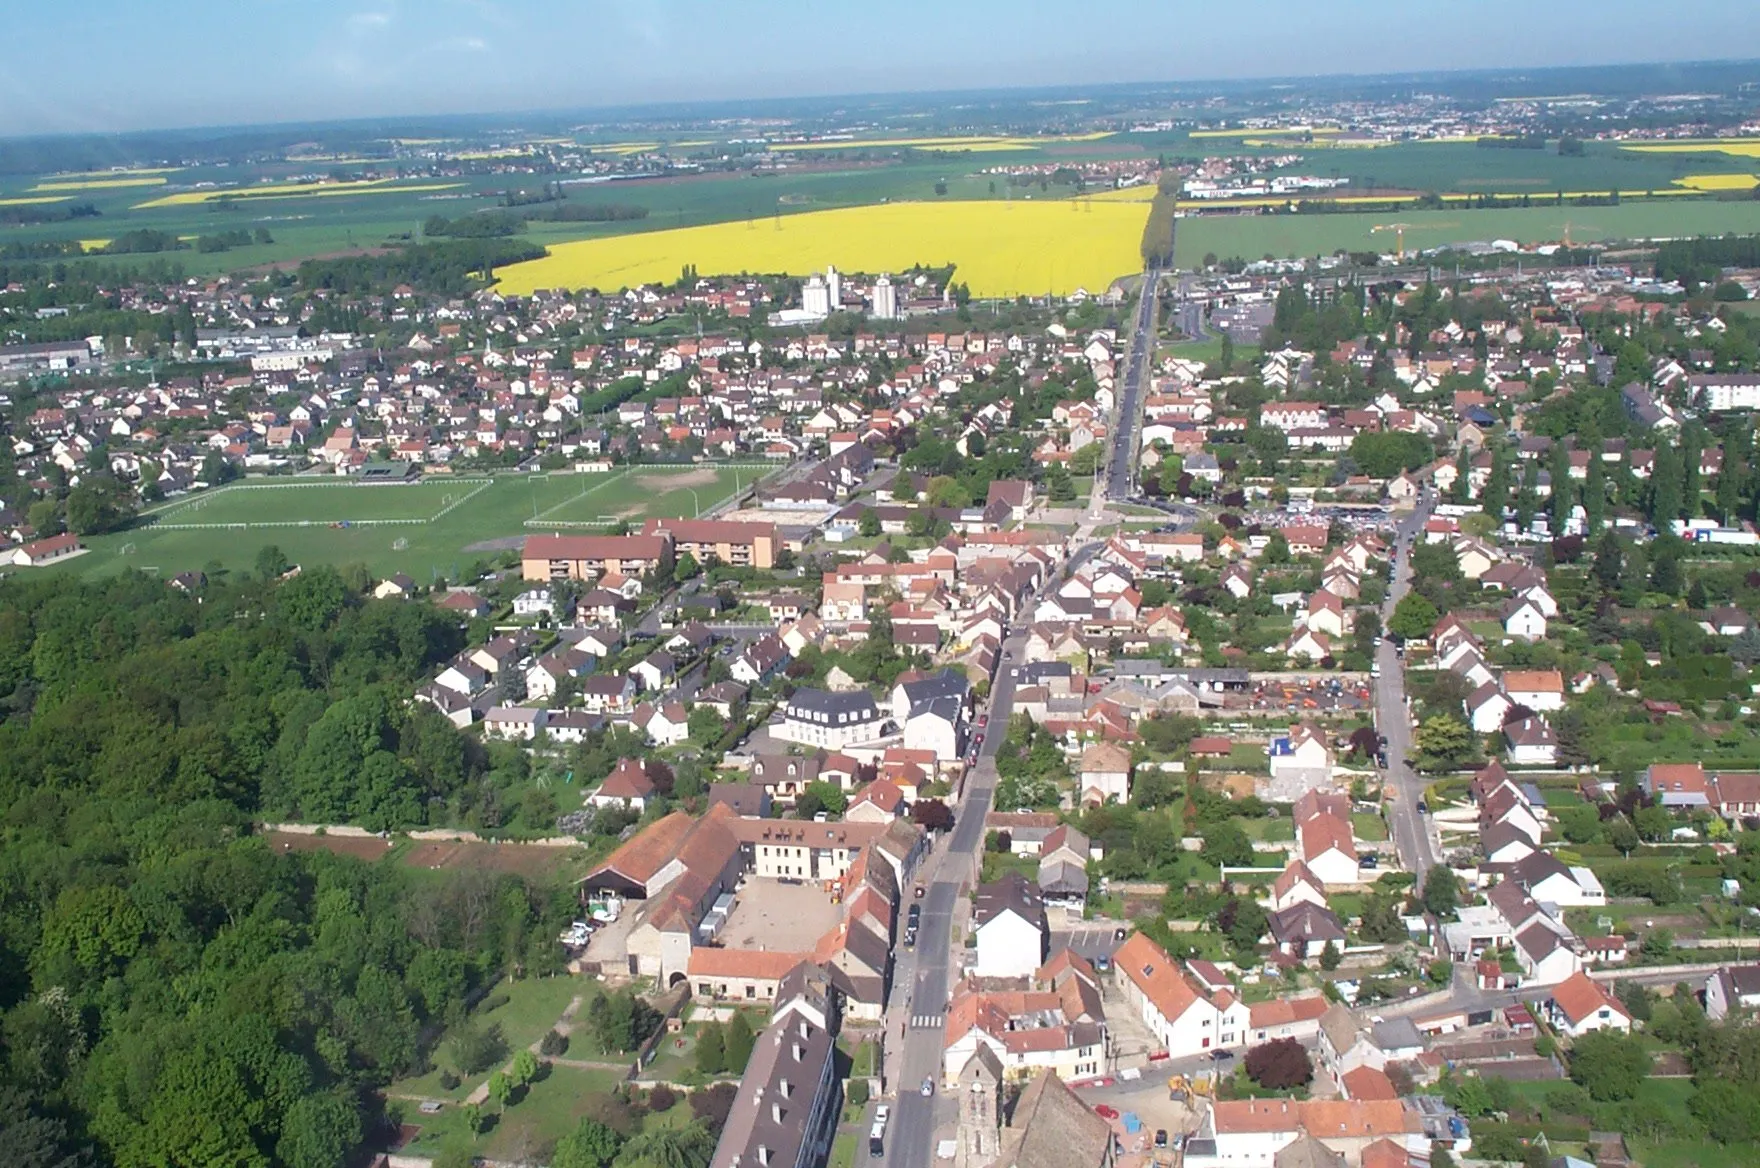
x=436 y=528
x=1276 y=830
x=1369 y=827
x=843 y=1150
x=1633 y=746
x=532 y=1008
x=1691 y=1154
x=551 y=1108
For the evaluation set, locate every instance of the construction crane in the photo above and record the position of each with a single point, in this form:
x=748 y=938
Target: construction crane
x=1399 y=230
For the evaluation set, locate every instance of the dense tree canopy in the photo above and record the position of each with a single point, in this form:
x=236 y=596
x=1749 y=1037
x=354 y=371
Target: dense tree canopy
x=173 y=990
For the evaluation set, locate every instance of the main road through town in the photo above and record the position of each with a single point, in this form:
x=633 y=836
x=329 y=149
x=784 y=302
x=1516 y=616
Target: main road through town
x=1409 y=827
x=923 y=978
x=1121 y=459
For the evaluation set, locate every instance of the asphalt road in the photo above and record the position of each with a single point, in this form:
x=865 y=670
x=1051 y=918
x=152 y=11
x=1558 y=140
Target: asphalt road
x=1121 y=459
x=1410 y=830
x=923 y=977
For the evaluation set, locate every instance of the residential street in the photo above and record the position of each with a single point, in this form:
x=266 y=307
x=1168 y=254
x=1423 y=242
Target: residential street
x=1410 y=830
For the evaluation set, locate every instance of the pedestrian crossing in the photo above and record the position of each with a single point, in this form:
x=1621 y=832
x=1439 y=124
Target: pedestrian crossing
x=927 y=1021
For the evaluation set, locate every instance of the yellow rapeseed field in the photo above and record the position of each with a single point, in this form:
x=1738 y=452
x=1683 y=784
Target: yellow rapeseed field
x=1000 y=248
x=1736 y=147
x=976 y=144
x=1719 y=182
x=318 y=190
x=101 y=184
x=31 y=200
x=118 y=172
x=1272 y=132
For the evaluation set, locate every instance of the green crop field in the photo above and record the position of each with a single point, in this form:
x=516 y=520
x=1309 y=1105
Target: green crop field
x=1253 y=236
x=436 y=528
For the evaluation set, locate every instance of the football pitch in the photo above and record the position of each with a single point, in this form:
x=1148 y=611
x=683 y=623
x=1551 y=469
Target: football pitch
x=437 y=527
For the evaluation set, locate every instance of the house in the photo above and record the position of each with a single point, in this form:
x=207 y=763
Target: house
x=818 y=717
x=1540 y=690
x=632 y=783
x=1303 y=930
x=1028 y=1031
x=1063 y=869
x=1297 y=884
x=1049 y=1126
x=1182 y=1017
x=1677 y=784
x=397 y=586
x=1549 y=881
x=1531 y=742
x=1734 y=987
x=760 y=661
x=1328 y=849
x=1281 y=1133
x=1737 y=795
x=1507 y=806
x=655 y=671
x=44 y=551
x=1486 y=707
x=608 y=693
x=1579 y=1005
x=1300 y=761
x=1008 y=916
x=533 y=603
x=1524 y=620
x=1105 y=774
x=513 y=723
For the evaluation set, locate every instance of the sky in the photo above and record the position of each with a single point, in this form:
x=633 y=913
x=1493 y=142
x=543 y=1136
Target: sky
x=107 y=65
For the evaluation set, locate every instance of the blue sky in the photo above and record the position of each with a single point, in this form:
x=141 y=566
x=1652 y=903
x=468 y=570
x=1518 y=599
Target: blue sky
x=132 y=64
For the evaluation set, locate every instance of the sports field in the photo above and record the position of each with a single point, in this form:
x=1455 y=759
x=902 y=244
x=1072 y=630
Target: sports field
x=439 y=526
x=1000 y=248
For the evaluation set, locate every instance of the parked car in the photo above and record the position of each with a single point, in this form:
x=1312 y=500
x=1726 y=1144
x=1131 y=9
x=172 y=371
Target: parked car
x=1105 y=1111
x=1160 y=1137
x=928 y=1087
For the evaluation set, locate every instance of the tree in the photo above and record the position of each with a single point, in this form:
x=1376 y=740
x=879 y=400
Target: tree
x=1441 y=895
x=686 y=568
x=821 y=796
x=690 y=1146
x=740 y=1040
x=1413 y=617
x=1226 y=845
x=1330 y=956
x=1654 y=823
x=100 y=503
x=711 y=1049
x=1279 y=1065
x=1277 y=549
x=868 y=526
x=1730 y=1111
x=1609 y=1065
x=525 y=1068
x=591 y=1145
x=706 y=725
x=319 y=1131
x=500 y=1088
x=932 y=815
x=474 y=1049
x=1444 y=742
x=1622 y=835
x=711 y=1106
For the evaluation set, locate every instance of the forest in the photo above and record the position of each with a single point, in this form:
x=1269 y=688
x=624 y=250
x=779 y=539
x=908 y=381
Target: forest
x=172 y=990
